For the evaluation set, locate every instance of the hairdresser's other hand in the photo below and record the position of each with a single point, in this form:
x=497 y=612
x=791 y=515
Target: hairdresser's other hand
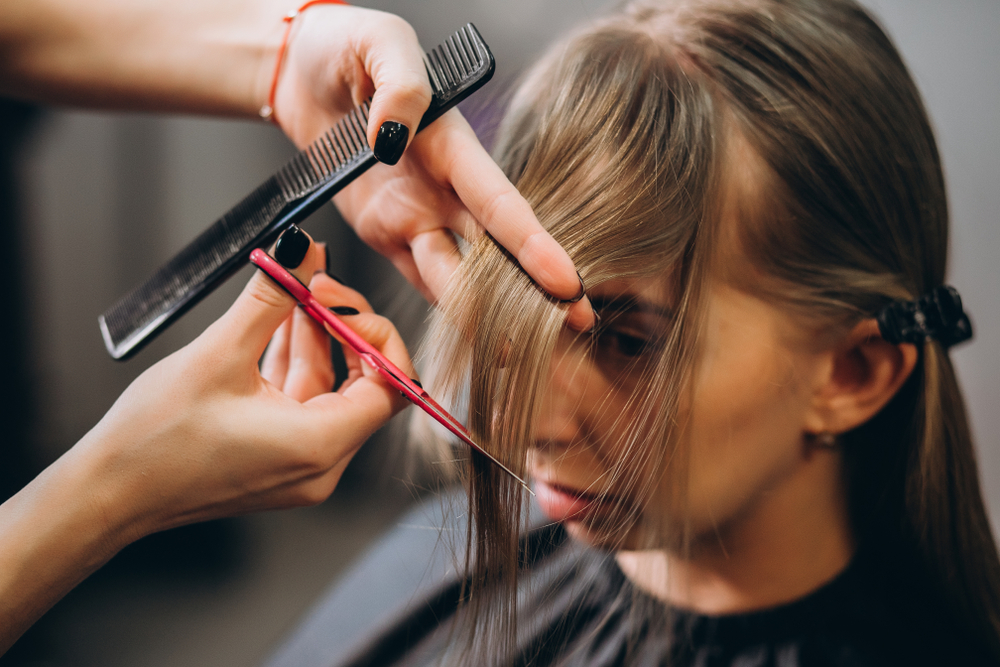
x=445 y=184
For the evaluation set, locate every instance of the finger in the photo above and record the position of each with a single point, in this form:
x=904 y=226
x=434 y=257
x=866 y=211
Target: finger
x=378 y=331
x=355 y=412
x=262 y=306
x=382 y=334
x=454 y=155
x=310 y=368
x=274 y=365
x=355 y=367
x=436 y=256
x=403 y=260
x=331 y=293
x=392 y=56
x=580 y=316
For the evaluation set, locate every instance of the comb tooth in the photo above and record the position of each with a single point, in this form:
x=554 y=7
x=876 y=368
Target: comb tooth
x=346 y=141
x=324 y=154
x=317 y=157
x=471 y=48
x=319 y=164
x=310 y=169
x=442 y=69
x=449 y=61
x=316 y=151
x=463 y=50
x=343 y=143
x=359 y=137
x=436 y=86
x=300 y=171
x=297 y=180
x=455 y=58
x=361 y=124
x=446 y=66
x=331 y=143
x=288 y=181
x=286 y=186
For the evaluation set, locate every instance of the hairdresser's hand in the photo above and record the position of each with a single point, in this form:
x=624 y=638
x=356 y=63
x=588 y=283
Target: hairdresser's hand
x=202 y=434
x=445 y=184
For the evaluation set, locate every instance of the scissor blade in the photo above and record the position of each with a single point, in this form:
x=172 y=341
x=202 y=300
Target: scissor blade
x=428 y=405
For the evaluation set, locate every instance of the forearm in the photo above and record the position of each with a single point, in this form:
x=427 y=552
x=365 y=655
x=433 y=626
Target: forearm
x=53 y=534
x=177 y=55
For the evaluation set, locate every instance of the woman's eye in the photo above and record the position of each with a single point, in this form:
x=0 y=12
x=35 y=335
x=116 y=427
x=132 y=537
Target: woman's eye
x=623 y=343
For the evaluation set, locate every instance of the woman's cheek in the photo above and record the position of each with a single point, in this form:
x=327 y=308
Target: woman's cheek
x=743 y=434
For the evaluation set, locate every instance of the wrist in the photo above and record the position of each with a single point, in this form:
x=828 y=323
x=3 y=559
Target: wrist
x=272 y=75
x=274 y=38
x=53 y=534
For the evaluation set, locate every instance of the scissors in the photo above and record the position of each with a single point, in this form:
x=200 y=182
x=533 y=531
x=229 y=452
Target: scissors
x=410 y=389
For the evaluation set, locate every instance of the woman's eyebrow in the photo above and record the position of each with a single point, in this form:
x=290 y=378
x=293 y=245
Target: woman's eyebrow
x=629 y=304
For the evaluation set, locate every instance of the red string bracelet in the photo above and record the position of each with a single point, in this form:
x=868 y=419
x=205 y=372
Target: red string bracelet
x=267 y=111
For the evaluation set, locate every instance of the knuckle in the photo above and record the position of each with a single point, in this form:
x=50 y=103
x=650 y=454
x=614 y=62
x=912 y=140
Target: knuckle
x=401 y=26
x=315 y=493
x=494 y=207
x=258 y=290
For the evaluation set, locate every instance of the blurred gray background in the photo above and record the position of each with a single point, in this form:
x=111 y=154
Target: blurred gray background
x=106 y=198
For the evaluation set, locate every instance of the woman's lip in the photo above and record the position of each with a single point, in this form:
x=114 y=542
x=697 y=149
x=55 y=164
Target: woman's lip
x=561 y=503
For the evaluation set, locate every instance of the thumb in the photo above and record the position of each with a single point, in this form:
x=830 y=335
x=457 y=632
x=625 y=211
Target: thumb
x=395 y=62
x=263 y=305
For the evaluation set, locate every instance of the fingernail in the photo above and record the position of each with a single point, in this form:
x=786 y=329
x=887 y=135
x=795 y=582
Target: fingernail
x=326 y=249
x=583 y=290
x=291 y=248
x=416 y=382
x=345 y=310
x=597 y=323
x=390 y=142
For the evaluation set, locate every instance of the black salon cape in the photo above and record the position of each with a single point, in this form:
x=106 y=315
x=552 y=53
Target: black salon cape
x=577 y=608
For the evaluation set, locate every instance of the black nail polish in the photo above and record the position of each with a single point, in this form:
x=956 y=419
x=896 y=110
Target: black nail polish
x=390 y=142
x=597 y=323
x=582 y=292
x=326 y=249
x=291 y=248
x=416 y=382
x=345 y=310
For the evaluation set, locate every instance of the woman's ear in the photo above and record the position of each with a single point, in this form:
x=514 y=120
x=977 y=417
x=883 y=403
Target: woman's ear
x=864 y=374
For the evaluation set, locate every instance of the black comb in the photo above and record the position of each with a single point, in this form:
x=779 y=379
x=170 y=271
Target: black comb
x=456 y=69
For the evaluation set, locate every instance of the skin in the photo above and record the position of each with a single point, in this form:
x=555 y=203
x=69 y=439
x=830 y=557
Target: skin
x=765 y=503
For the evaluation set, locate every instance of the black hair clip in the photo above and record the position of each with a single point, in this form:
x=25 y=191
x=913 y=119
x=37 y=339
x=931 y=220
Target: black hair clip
x=937 y=315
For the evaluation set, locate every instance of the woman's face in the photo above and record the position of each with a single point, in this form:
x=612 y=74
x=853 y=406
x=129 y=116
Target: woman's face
x=742 y=448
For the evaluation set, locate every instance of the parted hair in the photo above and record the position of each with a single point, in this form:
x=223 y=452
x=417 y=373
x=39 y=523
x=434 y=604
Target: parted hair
x=622 y=138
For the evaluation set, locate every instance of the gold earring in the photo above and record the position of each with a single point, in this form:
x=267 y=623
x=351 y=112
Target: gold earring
x=826 y=439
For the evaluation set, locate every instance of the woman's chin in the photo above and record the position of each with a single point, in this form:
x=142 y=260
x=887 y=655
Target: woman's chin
x=602 y=537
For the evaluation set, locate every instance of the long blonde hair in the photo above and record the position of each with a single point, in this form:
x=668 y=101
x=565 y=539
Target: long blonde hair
x=619 y=138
